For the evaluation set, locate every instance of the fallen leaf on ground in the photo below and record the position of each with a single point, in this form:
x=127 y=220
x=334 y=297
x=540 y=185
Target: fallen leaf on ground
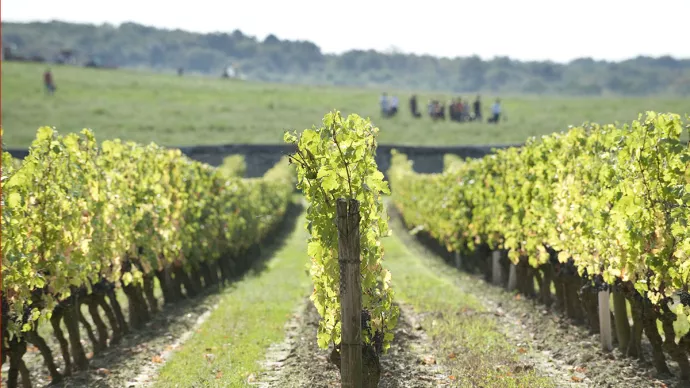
x=157 y=359
x=581 y=369
x=522 y=350
x=219 y=375
x=452 y=356
x=429 y=360
x=451 y=377
x=251 y=378
x=576 y=379
x=103 y=371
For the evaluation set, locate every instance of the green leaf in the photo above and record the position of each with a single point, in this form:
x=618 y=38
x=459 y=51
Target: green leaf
x=329 y=182
x=127 y=278
x=14 y=200
x=323 y=339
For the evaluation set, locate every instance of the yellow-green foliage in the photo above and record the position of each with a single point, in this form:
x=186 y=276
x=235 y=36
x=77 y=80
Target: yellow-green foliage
x=614 y=199
x=233 y=166
x=74 y=211
x=336 y=161
x=451 y=161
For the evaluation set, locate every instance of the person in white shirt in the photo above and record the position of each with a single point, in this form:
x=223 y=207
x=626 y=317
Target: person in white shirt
x=496 y=112
x=394 y=106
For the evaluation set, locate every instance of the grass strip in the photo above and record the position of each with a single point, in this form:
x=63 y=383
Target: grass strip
x=467 y=339
x=226 y=349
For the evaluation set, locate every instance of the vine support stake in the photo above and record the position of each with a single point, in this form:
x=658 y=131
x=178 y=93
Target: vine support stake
x=458 y=260
x=605 y=322
x=350 y=293
x=512 y=277
x=496 y=270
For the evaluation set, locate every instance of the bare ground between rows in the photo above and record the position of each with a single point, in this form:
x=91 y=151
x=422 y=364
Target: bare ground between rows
x=299 y=362
x=118 y=366
x=568 y=353
x=549 y=341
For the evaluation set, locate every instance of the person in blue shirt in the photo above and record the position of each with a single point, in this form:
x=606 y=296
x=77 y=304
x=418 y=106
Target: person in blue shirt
x=384 y=104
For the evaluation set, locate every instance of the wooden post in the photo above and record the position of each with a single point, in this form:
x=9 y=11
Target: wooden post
x=620 y=318
x=496 y=267
x=605 y=321
x=458 y=260
x=512 y=277
x=350 y=293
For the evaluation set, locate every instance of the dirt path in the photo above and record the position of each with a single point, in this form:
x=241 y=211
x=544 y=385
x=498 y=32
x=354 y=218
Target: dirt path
x=142 y=350
x=567 y=353
x=131 y=362
x=148 y=368
x=299 y=362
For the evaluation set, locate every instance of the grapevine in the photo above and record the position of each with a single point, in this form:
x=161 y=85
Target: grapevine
x=607 y=203
x=613 y=199
x=81 y=220
x=335 y=161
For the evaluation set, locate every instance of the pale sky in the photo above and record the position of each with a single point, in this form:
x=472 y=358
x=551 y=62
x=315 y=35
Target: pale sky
x=558 y=30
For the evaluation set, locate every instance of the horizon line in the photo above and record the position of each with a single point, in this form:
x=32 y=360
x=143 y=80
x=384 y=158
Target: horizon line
x=393 y=51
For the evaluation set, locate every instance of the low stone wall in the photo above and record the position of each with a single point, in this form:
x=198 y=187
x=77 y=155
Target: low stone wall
x=261 y=157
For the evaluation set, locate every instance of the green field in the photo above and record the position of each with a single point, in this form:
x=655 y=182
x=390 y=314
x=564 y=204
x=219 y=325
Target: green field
x=170 y=110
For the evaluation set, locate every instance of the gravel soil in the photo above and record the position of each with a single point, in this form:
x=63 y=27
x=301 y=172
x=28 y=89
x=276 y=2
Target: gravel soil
x=299 y=362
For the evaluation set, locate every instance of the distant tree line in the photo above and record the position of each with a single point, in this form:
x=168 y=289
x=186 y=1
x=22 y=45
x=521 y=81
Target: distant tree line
x=135 y=45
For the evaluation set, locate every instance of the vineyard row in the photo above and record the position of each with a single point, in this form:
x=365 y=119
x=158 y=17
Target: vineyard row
x=81 y=221
x=597 y=208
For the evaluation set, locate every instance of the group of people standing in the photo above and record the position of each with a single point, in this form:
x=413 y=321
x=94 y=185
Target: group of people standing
x=458 y=109
x=389 y=108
